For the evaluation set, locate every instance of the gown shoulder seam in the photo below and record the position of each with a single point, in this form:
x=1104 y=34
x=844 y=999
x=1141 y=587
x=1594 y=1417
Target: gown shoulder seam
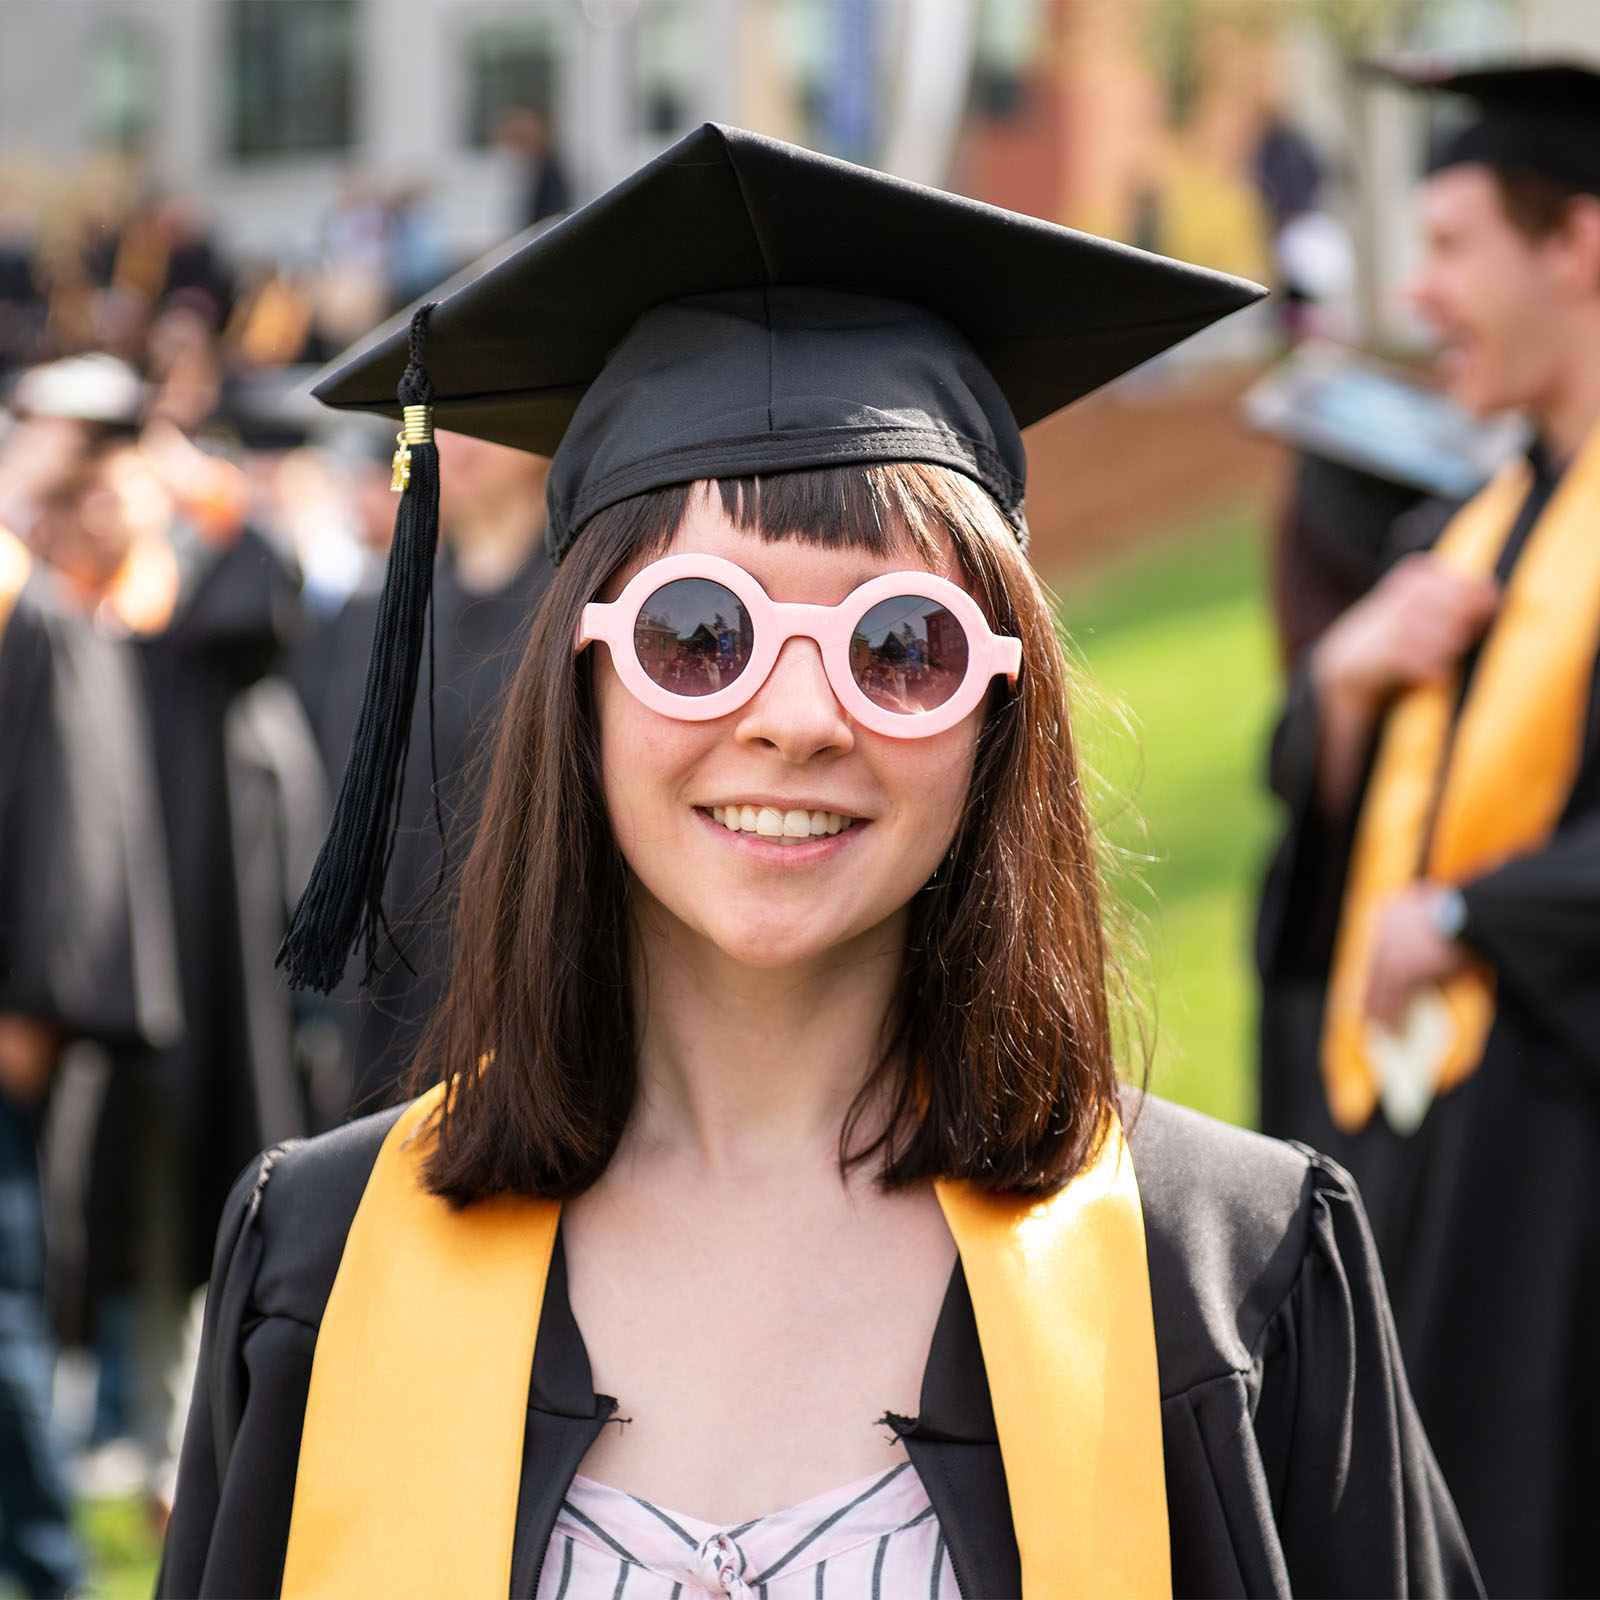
x=1325 y=1180
x=266 y=1161
x=1223 y=1375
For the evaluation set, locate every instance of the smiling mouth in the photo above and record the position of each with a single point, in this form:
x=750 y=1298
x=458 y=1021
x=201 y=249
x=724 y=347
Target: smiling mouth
x=781 y=827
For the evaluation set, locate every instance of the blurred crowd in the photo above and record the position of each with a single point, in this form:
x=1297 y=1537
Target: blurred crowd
x=190 y=554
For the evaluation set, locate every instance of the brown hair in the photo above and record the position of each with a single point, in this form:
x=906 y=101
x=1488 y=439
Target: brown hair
x=1535 y=203
x=998 y=1058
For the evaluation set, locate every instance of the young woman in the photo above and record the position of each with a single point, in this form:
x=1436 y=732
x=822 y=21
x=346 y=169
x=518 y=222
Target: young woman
x=775 y=1225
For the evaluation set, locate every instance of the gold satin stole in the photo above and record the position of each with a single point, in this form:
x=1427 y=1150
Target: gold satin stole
x=1452 y=797
x=15 y=565
x=411 y=1455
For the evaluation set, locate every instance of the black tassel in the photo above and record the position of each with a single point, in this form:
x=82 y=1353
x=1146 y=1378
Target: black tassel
x=343 y=903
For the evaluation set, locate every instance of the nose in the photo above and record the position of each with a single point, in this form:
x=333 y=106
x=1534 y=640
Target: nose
x=1415 y=290
x=1420 y=289
x=795 y=712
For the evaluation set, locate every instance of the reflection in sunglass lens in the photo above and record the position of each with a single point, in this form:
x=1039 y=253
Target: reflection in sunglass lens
x=693 y=637
x=909 y=654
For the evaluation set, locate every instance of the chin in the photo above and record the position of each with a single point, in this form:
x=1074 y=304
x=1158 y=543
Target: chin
x=1482 y=399
x=774 y=948
x=772 y=936
x=1478 y=390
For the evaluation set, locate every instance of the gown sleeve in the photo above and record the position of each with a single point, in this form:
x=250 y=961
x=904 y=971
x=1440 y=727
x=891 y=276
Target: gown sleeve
x=86 y=937
x=1291 y=766
x=1296 y=1463
x=1360 y=1504
x=278 y=1249
x=1536 y=919
x=24 y=714
x=1304 y=885
x=196 y=1561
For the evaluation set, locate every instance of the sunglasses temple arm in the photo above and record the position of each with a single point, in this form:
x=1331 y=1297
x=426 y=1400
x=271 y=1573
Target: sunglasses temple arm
x=1009 y=656
x=591 y=625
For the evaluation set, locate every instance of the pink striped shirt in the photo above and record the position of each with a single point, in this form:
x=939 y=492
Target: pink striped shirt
x=875 y=1539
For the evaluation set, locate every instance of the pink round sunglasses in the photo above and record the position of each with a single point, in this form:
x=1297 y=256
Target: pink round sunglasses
x=694 y=637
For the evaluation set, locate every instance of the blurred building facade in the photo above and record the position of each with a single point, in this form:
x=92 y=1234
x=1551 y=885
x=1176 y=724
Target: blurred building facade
x=280 y=119
x=261 y=109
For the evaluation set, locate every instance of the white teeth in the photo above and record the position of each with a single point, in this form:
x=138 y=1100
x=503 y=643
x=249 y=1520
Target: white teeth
x=783 y=827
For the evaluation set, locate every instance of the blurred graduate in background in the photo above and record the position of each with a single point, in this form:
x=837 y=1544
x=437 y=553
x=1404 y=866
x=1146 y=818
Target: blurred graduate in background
x=87 y=955
x=157 y=543
x=1430 y=933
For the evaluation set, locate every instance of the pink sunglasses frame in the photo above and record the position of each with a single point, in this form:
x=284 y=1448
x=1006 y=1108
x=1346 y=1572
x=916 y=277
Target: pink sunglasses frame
x=775 y=622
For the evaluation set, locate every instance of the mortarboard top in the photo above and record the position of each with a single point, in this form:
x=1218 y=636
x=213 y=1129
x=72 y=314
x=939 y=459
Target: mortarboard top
x=741 y=305
x=1540 y=115
x=1377 y=419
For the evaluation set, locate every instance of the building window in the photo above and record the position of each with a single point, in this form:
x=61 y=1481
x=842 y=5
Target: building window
x=510 y=67
x=122 y=86
x=1008 y=44
x=292 y=76
x=804 y=36
x=665 y=43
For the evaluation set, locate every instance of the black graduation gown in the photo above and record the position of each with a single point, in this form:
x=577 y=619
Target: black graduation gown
x=86 y=939
x=234 y=1063
x=1328 y=543
x=478 y=640
x=1295 y=1461
x=1488 y=1218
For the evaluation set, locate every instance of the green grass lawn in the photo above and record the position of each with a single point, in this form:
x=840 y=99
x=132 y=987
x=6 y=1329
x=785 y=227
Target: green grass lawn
x=122 y=1547
x=1182 y=689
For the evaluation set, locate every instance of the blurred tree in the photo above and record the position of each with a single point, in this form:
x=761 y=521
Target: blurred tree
x=1359 y=30
x=1216 y=62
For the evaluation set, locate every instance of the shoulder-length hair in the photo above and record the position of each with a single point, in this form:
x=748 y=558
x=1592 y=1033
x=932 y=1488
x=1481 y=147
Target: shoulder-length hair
x=997 y=1065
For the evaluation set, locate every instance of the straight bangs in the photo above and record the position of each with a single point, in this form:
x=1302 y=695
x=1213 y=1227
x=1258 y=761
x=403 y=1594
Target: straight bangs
x=997 y=1065
x=868 y=508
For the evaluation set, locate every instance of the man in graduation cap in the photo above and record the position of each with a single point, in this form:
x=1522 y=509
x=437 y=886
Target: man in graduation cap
x=1430 y=939
x=1170 y=1374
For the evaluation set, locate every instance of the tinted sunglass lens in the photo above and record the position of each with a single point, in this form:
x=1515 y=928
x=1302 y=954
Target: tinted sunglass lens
x=909 y=654
x=693 y=637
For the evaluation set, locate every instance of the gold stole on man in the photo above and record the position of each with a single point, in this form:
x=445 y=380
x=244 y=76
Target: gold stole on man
x=411 y=1455
x=1452 y=797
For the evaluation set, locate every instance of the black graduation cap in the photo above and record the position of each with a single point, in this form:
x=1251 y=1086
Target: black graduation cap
x=639 y=336
x=1540 y=115
x=271 y=409
x=739 y=306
